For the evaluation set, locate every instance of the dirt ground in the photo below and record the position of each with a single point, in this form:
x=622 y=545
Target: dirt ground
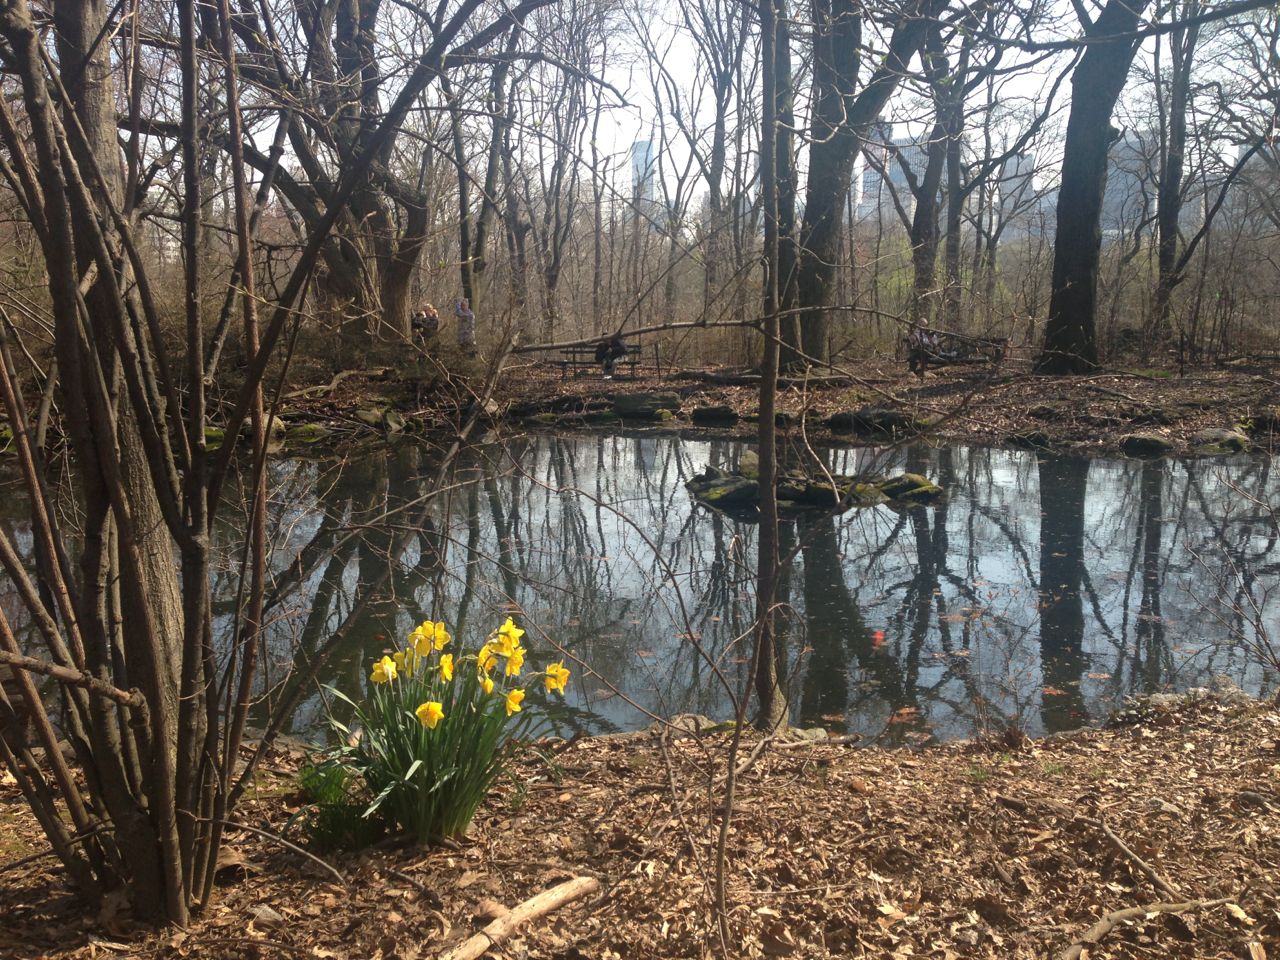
x=1013 y=849
x=1004 y=406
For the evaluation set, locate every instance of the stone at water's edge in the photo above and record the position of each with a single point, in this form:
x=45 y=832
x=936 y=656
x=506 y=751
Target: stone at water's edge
x=872 y=422
x=1217 y=441
x=717 y=413
x=1145 y=444
x=644 y=406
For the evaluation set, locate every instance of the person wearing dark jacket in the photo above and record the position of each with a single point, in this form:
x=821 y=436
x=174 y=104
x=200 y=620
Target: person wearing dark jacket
x=608 y=352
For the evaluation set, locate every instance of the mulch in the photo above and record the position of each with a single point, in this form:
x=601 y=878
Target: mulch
x=1010 y=849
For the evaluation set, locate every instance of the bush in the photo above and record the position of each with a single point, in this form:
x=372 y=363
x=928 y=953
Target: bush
x=437 y=728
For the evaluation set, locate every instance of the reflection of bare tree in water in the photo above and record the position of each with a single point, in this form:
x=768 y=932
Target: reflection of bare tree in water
x=1149 y=662
x=1063 y=481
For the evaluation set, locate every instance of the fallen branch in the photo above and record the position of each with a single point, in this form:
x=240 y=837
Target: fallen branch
x=1158 y=881
x=333 y=384
x=553 y=899
x=1108 y=923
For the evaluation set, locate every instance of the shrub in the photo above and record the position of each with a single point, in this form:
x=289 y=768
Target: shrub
x=438 y=726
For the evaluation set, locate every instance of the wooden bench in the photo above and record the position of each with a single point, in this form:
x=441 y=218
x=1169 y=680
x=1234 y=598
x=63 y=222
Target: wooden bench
x=584 y=358
x=949 y=349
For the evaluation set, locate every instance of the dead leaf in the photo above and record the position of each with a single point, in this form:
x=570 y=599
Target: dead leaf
x=776 y=940
x=1236 y=911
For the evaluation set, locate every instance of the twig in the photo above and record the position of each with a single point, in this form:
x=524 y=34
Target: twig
x=1108 y=923
x=1158 y=881
x=531 y=909
x=283 y=842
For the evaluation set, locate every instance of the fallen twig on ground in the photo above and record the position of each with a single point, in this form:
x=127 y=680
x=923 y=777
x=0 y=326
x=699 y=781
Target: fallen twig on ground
x=1108 y=923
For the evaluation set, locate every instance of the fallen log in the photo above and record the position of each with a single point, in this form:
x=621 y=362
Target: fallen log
x=503 y=927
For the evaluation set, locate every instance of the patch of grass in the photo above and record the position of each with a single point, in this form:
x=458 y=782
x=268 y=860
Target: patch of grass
x=1053 y=768
x=978 y=774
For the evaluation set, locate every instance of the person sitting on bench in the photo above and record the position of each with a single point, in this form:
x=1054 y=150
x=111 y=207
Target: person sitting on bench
x=608 y=352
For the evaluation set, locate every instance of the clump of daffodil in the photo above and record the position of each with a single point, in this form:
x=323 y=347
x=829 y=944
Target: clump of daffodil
x=438 y=726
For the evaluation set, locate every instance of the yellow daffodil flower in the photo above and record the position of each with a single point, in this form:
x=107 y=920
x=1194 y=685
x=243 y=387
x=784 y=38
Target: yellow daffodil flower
x=384 y=671
x=509 y=637
x=440 y=635
x=515 y=662
x=428 y=636
x=446 y=667
x=406 y=661
x=429 y=714
x=557 y=676
x=420 y=638
x=486 y=683
x=487 y=658
x=513 y=701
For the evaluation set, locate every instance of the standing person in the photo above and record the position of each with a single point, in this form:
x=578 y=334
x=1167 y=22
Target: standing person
x=608 y=352
x=426 y=324
x=466 y=325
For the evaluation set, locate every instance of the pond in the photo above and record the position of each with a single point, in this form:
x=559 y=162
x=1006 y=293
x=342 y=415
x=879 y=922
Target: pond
x=1039 y=592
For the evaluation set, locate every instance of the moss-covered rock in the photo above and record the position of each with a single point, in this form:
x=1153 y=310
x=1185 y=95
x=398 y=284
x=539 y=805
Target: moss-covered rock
x=910 y=488
x=370 y=416
x=6 y=437
x=1218 y=441
x=214 y=437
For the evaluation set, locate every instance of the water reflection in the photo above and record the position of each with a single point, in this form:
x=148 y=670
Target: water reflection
x=1037 y=593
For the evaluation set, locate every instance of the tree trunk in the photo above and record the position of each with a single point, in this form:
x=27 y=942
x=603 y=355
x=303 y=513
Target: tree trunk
x=1071 y=344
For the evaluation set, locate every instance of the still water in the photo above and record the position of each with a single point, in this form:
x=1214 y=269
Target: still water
x=1038 y=593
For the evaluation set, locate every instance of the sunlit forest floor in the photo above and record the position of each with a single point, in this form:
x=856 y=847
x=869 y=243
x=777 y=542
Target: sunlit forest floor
x=1003 y=849
x=1168 y=410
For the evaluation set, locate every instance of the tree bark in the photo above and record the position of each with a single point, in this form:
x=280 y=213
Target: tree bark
x=1071 y=343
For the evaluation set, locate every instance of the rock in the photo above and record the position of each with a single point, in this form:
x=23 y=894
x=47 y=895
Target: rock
x=803 y=492
x=393 y=421
x=749 y=464
x=813 y=734
x=644 y=406
x=370 y=416
x=6 y=437
x=1042 y=411
x=600 y=416
x=716 y=413
x=1266 y=420
x=546 y=417
x=910 y=488
x=785 y=420
x=1145 y=444
x=688 y=723
x=1216 y=441
x=266 y=917
x=730 y=494
x=872 y=422
x=1153 y=416
x=307 y=433
x=663 y=415
x=214 y=437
